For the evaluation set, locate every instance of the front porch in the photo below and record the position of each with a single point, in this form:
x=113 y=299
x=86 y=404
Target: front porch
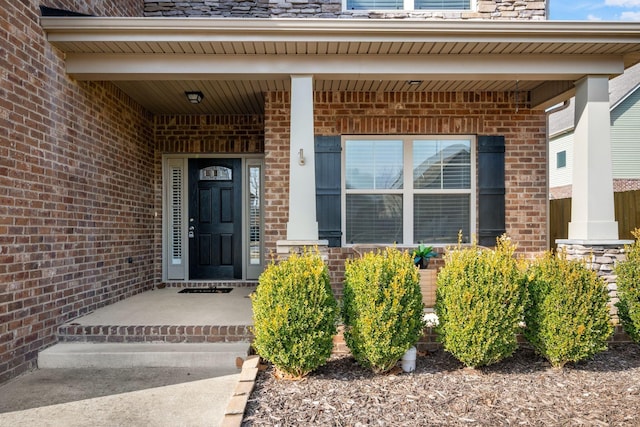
x=158 y=328
x=167 y=316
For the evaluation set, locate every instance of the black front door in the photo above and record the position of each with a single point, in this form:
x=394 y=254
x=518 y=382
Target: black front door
x=215 y=219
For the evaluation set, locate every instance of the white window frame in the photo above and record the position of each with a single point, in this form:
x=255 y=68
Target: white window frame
x=409 y=6
x=408 y=191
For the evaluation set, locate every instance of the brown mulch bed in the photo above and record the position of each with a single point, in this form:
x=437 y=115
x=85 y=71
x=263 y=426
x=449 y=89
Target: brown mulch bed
x=522 y=390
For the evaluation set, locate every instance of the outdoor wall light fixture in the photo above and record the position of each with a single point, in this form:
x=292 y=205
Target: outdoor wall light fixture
x=414 y=82
x=194 y=97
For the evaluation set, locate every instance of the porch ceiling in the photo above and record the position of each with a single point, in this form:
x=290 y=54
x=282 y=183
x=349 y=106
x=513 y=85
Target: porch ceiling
x=234 y=61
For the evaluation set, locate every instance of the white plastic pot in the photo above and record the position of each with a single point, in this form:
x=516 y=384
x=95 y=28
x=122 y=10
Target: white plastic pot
x=409 y=360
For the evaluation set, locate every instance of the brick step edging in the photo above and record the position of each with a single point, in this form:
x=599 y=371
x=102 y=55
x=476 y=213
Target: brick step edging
x=155 y=333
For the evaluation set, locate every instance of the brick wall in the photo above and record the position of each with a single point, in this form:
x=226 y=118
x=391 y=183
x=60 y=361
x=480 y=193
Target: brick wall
x=239 y=134
x=486 y=9
x=343 y=113
x=619 y=185
x=76 y=189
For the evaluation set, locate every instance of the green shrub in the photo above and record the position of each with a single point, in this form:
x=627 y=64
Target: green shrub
x=566 y=317
x=628 y=283
x=479 y=302
x=295 y=314
x=382 y=308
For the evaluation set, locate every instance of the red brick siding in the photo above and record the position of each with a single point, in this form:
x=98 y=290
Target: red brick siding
x=209 y=134
x=76 y=190
x=488 y=113
x=619 y=186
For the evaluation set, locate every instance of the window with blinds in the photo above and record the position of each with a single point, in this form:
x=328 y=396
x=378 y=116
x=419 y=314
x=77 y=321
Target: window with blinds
x=408 y=4
x=442 y=4
x=407 y=190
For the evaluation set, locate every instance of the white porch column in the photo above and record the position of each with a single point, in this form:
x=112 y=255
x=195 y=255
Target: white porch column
x=593 y=230
x=302 y=223
x=592 y=208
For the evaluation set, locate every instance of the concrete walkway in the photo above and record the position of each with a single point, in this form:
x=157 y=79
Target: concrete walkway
x=117 y=397
x=180 y=393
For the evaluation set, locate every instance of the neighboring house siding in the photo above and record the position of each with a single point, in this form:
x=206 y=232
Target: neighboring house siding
x=625 y=137
x=345 y=113
x=624 y=94
x=480 y=9
x=559 y=177
x=77 y=189
x=625 y=150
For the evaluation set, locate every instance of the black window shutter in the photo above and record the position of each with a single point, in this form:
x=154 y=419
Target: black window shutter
x=491 y=189
x=328 y=187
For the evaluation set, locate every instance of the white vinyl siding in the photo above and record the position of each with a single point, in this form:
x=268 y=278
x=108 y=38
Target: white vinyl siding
x=625 y=137
x=559 y=177
x=625 y=145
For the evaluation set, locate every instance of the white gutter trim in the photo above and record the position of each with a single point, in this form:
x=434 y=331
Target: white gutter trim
x=624 y=98
x=557 y=109
x=163 y=29
x=562 y=132
x=572 y=128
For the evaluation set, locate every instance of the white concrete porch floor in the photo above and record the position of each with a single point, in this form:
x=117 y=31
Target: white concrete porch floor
x=168 y=307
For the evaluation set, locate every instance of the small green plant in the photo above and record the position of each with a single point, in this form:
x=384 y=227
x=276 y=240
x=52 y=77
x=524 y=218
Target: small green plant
x=480 y=302
x=382 y=308
x=566 y=316
x=422 y=254
x=295 y=314
x=628 y=283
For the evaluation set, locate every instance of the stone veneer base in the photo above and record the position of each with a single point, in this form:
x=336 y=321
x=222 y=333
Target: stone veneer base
x=600 y=256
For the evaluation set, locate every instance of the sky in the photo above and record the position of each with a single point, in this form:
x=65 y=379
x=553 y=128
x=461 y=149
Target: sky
x=594 y=10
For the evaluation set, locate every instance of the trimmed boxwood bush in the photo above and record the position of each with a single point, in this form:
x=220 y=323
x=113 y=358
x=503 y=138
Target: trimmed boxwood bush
x=628 y=283
x=295 y=314
x=382 y=308
x=567 y=317
x=480 y=302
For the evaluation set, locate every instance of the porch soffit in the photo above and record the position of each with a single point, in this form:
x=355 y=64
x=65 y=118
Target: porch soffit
x=234 y=61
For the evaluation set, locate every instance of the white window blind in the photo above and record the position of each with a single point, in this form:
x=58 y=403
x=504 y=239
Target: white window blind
x=175 y=223
x=442 y=4
x=374 y=4
x=441 y=164
x=374 y=164
x=408 y=5
x=374 y=218
x=439 y=217
x=175 y=251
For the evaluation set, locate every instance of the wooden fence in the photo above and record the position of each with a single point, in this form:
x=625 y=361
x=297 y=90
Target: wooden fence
x=627 y=207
